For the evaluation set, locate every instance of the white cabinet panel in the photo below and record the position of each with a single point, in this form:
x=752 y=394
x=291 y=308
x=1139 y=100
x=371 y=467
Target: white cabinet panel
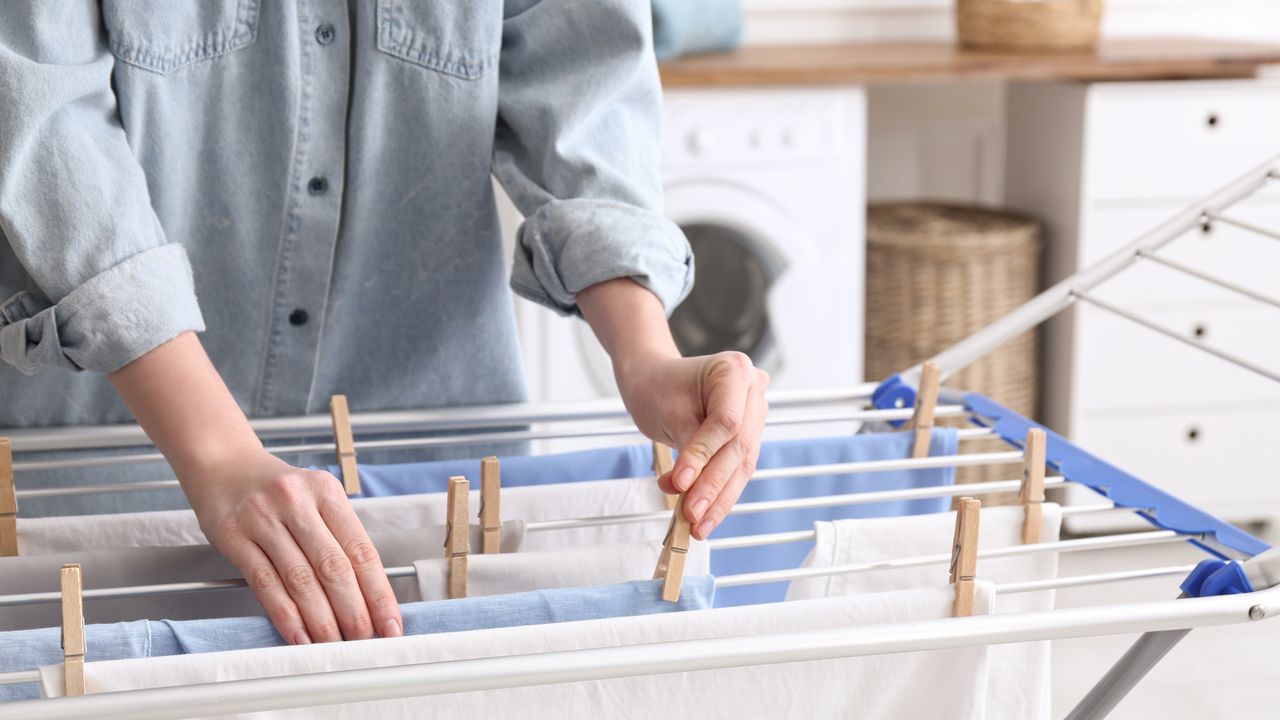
x=1177 y=140
x=1214 y=459
x=1122 y=365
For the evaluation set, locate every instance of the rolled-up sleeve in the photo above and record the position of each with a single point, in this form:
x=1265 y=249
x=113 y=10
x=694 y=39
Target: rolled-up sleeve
x=577 y=148
x=99 y=285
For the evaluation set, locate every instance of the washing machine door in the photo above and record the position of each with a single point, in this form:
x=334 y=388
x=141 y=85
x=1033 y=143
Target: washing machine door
x=750 y=294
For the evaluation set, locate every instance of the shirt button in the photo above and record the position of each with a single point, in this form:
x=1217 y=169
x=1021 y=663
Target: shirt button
x=298 y=317
x=325 y=34
x=318 y=186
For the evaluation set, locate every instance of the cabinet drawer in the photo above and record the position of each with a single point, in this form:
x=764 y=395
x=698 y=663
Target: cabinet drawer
x=1123 y=366
x=1177 y=140
x=1215 y=459
x=1224 y=251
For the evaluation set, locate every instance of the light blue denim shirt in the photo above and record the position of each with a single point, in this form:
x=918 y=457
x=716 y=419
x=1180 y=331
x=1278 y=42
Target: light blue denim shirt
x=308 y=183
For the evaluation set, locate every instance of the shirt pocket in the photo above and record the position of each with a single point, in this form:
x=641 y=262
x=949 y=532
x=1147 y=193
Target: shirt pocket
x=165 y=35
x=461 y=38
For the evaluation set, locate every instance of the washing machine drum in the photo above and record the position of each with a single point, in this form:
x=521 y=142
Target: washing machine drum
x=728 y=308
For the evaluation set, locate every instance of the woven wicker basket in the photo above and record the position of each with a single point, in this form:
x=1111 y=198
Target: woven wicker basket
x=935 y=274
x=1028 y=25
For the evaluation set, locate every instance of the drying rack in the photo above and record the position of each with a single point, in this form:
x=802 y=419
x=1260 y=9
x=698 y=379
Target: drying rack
x=1240 y=583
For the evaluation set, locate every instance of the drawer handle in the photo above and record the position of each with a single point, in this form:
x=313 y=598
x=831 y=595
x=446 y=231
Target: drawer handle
x=1212 y=120
x=1200 y=330
x=1193 y=434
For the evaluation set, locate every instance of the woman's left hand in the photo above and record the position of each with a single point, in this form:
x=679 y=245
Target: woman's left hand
x=712 y=409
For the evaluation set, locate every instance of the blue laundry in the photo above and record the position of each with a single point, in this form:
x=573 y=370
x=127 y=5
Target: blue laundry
x=637 y=461
x=28 y=649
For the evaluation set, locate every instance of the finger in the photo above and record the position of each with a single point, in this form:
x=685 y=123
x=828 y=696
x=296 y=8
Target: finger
x=375 y=589
x=718 y=497
x=266 y=585
x=728 y=386
x=335 y=573
x=300 y=581
x=667 y=484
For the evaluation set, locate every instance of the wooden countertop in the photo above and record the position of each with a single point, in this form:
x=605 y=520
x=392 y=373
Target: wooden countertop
x=899 y=62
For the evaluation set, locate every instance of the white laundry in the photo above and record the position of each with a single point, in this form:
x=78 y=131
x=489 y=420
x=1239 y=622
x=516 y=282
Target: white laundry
x=115 y=567
x=1020 y=682
x=919 y=685
x=38 y=536
x=569 y=567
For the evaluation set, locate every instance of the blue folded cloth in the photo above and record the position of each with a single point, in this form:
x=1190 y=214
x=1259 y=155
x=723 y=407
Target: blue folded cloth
x=683 y=27
x=637 y=461
x=28 y=649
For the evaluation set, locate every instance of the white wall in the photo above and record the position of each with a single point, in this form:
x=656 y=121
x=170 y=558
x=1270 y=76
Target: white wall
x=945 y=142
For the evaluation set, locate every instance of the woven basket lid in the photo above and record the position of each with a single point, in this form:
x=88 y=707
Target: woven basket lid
x=936 y=229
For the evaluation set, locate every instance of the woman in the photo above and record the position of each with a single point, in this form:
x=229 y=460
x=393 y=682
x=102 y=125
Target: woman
x=318 y=175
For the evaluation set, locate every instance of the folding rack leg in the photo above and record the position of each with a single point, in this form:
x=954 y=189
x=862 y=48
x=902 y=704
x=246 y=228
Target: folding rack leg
x=1126 y=673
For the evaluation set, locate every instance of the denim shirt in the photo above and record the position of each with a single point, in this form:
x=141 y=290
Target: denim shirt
x=308 y=182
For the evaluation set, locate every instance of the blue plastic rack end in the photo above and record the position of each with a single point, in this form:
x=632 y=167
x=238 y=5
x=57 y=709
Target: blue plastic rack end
x=1155 y=505
x=1216 y=577
x=893 y=393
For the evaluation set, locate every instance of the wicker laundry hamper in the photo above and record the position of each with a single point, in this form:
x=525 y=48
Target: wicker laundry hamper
x=1028 y=25
x=935 y=274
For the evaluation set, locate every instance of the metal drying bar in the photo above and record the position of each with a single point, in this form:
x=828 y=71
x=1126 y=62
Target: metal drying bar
x=1105 y=542
x=863 y=415
x=492 y=673
x=871 y=466
x=475 y=417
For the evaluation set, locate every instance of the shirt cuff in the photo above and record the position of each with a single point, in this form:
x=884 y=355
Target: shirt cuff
x=570 y=245
x=112 y=319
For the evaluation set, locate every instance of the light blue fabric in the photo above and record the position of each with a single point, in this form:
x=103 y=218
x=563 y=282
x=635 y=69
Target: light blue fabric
x=637 y=461
x=318 y=173
x=27 y=649
x=517 y=470
x=825 y=451
x=683 y=27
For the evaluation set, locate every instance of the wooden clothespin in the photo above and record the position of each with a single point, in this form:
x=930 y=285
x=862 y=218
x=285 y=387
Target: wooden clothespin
x=345 y=443
x=490 y=505
x=457 y=536
x=675 y=548
x=8 y=502
x=1031 y=493
x=72 y=630
x=926 y=404
x=662 y=464
x=964 y=556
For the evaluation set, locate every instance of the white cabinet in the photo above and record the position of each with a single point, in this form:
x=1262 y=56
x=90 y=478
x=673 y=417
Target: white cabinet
x=1101 y=164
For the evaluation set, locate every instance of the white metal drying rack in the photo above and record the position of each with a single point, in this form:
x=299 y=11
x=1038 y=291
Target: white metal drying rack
x=1163 y=623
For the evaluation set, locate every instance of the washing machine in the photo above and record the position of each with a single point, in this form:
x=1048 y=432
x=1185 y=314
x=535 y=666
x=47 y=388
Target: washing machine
x=768 y=185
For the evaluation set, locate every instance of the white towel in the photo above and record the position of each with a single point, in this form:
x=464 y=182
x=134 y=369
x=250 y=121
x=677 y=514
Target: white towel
x=1020 y=681
x=935 y=684
x=114 y=567
x=38 y=536
x=570 y=567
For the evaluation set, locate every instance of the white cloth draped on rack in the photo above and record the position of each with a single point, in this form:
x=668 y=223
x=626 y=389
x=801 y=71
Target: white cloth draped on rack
x=1020 y=681
x=935 y=684
x=131 y=566
x=530 y=503
x=563 y=568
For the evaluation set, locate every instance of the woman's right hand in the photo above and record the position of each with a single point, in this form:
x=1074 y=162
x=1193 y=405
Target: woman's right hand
x=290 y=532
x=297 y=542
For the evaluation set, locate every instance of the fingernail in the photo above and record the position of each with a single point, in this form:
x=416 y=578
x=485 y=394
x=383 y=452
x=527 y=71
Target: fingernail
x=684 y=480
x=301 y=638
x=700 y=507
x=391 y=628
x=705 y=528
